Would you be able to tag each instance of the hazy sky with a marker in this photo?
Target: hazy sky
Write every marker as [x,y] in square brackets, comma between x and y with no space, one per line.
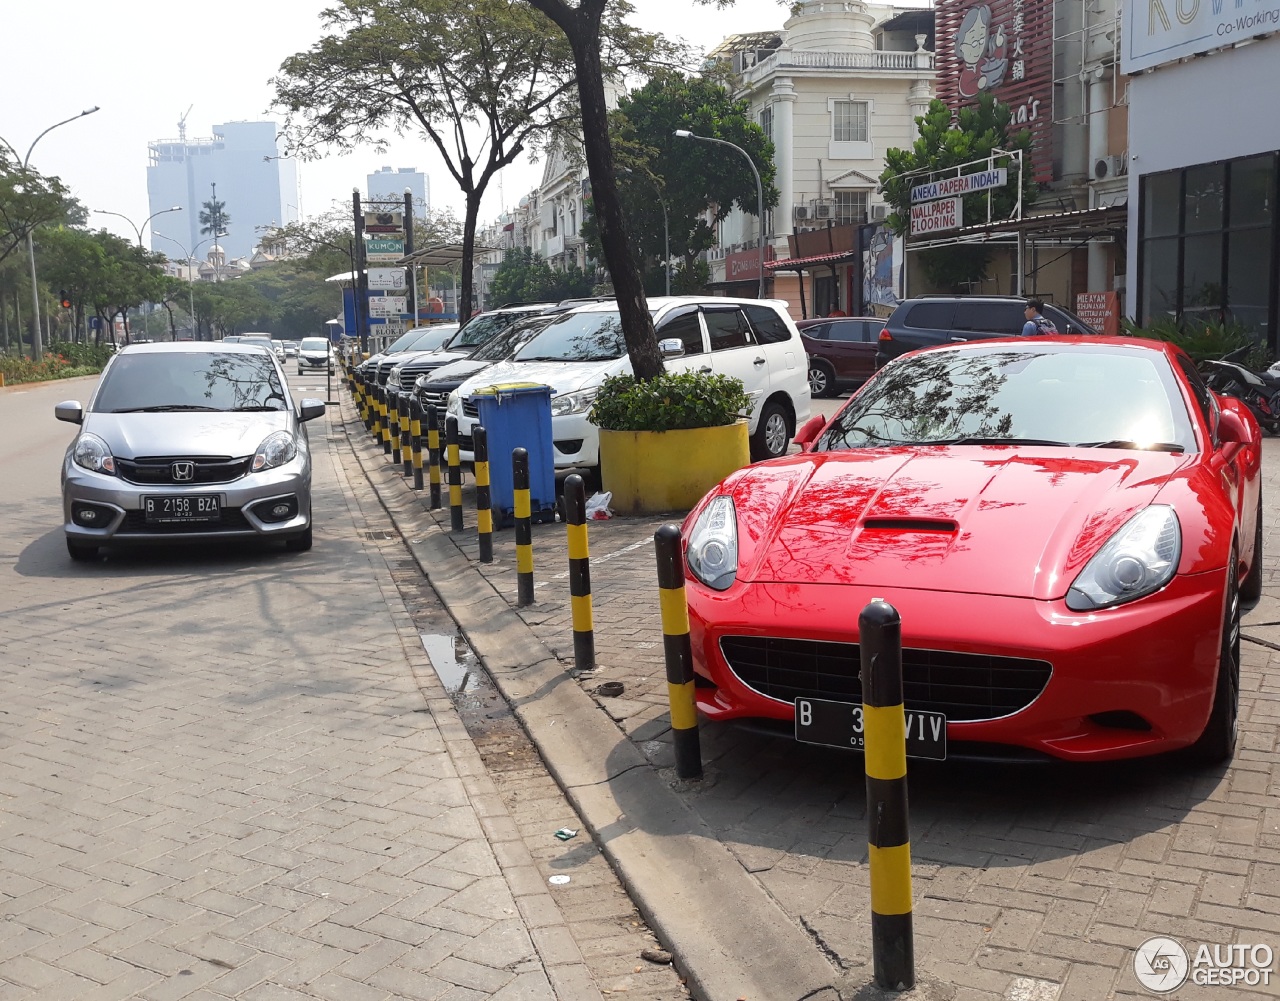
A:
[144,62]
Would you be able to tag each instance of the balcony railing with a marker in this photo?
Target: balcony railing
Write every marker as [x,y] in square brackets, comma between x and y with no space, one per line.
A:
[876,61]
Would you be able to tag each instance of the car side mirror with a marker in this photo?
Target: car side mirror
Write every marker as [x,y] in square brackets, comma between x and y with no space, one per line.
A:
[671,347]
[809,432]
[69,411]
[311,409]
[1232,427]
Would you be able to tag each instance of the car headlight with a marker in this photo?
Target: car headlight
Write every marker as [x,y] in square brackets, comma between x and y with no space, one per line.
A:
[573,403]
[275,450]
[713,544]
[454,407]
[1140,558]
[91,452]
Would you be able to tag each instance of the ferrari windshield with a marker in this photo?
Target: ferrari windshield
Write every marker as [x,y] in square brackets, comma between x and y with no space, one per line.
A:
[173,381]
[1101,396]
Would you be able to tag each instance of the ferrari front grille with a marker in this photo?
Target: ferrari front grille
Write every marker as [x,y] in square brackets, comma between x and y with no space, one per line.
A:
[963,686]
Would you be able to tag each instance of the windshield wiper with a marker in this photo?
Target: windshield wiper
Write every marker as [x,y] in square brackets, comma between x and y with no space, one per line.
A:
[1154,446]
[162,408]
[995,440]
[255,409]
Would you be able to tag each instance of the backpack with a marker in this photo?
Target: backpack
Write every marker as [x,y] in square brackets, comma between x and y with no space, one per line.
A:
[1044,326]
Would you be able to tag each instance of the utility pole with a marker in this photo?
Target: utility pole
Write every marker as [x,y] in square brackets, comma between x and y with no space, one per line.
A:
[408,250]
[360,290]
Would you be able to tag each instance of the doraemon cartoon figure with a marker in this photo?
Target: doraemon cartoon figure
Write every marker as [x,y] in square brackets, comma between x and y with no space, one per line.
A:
[983,52]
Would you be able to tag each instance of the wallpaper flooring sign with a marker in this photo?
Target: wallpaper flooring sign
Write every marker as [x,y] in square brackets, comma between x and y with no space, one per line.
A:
[937,216]
[1005,48]
[1162,31]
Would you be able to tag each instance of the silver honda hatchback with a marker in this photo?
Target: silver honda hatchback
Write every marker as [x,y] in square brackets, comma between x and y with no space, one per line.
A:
[188,442]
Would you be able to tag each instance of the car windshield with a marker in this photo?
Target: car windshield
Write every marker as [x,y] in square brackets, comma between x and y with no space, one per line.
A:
[585,336]
[314,344]
[505,344]
[403,341]
[1095,396]
[480,328]
[195,380]
[430,339]
[262,342]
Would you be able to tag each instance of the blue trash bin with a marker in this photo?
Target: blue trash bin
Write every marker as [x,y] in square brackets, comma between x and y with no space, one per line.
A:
[518,415]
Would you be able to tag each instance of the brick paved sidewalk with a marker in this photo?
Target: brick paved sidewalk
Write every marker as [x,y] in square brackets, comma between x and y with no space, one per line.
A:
[1029,882]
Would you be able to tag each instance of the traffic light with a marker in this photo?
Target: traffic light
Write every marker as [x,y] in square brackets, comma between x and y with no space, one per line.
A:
[64,299]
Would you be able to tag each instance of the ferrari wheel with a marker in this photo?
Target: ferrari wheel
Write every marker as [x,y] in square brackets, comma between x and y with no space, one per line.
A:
[1251,586]
[772,435]
[822,379]
[1218,741]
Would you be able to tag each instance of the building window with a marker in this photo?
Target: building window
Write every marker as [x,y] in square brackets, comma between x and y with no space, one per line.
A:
[766,121]
[1210,245]
[850,207]
[849,121]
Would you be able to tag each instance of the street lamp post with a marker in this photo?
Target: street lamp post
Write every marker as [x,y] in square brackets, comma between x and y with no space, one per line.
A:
[686,134]
[139,229]
[191,295]
[36,350]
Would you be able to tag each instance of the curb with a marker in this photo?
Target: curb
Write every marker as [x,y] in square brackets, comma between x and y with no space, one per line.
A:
[10,386]
[730,939]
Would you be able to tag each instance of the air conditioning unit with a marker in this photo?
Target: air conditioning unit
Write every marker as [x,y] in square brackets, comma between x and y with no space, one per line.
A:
[800,212]
[822,210]
[879,213]
[1111,166]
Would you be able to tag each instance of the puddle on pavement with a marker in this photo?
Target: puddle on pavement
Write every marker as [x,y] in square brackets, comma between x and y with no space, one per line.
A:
[456,664]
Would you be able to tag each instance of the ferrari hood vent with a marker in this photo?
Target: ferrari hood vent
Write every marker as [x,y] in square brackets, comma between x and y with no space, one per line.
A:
[910,525]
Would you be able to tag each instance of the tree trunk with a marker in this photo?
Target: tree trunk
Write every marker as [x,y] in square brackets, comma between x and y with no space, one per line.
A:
[467,294]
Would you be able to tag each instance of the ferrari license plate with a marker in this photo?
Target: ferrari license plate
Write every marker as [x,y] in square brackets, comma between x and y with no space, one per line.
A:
[840,724]
[186,507]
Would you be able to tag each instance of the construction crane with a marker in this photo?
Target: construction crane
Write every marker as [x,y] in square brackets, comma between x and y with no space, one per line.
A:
[182,124]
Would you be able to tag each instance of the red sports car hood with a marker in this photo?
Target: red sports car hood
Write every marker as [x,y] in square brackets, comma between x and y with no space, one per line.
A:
[1015,521]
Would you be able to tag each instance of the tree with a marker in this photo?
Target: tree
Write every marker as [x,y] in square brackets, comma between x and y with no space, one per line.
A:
[28,200]
[448,69]
[214,219]
[524,276]
[978,130]
[693,179]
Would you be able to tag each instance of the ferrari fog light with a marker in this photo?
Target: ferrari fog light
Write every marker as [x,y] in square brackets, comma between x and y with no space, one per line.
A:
[275,450]
[713,544]
[1140,558]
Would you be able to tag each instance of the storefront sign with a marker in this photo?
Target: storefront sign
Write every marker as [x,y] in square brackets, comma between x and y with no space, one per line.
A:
[384,250]
[1164,31]
[934,217]
[1101,310]
[963,185]
[745,264]
[387,278]
[388,305]
[384,222]
[1004,48]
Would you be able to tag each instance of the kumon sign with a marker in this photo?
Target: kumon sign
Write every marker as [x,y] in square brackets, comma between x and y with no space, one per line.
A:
[935,217]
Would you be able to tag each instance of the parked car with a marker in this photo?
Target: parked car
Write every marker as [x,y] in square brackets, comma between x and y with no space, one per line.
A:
[947,319]
[842,352]
[314,353]
[752,339]
[258,340]
[187,442]
[464,342]
[290,349]
[1065,526]
[433,388]
[428,338]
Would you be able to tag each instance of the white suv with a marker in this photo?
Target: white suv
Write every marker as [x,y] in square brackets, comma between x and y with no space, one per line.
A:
[754,340]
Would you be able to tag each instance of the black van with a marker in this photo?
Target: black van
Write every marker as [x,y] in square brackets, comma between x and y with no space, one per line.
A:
[942,319]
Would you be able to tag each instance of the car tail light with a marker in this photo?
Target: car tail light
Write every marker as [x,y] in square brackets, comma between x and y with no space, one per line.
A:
[885,335]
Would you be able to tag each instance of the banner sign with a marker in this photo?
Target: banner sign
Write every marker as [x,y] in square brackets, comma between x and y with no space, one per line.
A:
[934,217]
[1005,48]
[1101,310]
[745,264]
[388,305]
[384,222]
[387,278]
[1164,31]
[963,185]
[384,250]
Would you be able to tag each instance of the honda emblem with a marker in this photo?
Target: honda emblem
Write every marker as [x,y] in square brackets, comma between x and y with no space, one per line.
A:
[183,472]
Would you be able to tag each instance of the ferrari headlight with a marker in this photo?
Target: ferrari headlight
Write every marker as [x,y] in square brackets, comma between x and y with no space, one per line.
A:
[91,452]
[275,450]
[1140,558]
[573,403]
[713,544]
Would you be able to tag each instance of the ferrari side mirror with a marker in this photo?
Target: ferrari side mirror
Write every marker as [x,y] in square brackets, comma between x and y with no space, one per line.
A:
[809,432]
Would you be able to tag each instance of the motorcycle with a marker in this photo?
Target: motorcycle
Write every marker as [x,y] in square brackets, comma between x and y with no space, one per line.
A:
[1259,391]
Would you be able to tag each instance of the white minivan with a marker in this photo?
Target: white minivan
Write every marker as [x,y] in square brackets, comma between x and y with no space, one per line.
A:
[752,339]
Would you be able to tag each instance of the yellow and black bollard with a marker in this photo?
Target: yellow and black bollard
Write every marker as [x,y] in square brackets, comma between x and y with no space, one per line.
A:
[524,526]
[888,837]
[433,454]
[415,434]
[678,653]
[375,414]
[455,473]
[484,511]
[393,401]
[406,434]
[584,637]
[384,413]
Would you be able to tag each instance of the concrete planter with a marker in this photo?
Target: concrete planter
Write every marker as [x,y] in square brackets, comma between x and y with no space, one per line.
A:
[649,472]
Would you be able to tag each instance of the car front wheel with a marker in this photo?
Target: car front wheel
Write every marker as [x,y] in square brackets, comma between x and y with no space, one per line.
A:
[822,379]
[773,435]
[1217,743]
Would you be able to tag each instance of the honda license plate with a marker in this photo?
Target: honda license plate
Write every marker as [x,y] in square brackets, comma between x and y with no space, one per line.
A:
[186,507]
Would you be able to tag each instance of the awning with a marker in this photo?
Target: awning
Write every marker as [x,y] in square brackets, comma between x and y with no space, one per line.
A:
[800,263]
[440,255]
[1075,224]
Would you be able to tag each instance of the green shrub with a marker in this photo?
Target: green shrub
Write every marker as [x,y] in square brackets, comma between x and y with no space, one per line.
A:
[1205,340]
[671,402]
[59,361]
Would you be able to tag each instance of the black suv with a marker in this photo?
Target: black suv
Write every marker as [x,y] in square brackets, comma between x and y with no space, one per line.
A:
[942,319]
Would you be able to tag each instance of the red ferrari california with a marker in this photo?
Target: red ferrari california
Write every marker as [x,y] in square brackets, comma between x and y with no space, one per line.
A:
[1065,525]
